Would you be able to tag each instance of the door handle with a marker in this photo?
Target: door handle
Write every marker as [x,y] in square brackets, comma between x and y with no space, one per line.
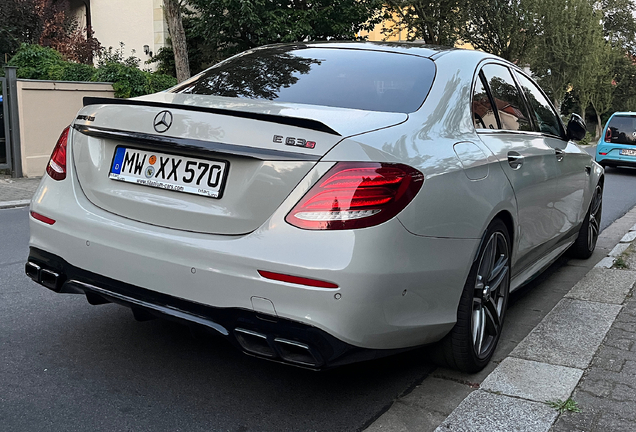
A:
[559,154]
[515,160]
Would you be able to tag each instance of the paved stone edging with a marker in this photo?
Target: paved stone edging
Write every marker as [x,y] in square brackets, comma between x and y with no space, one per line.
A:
[548,364]
[13,204]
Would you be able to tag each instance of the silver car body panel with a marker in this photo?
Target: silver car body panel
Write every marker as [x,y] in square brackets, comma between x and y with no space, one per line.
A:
[399,282]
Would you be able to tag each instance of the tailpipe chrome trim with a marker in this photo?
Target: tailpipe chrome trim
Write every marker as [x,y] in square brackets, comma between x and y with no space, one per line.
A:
[32,270]
[50,279]
[254,342]
[297,353]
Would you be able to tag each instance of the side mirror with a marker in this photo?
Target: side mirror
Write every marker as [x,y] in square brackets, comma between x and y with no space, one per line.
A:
[576,129]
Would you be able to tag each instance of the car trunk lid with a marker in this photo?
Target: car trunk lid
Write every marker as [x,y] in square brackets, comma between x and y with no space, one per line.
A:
[262,150]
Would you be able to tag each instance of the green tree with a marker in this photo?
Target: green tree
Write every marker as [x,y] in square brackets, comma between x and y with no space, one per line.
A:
[435,23]
[619,24]
[595,69]
[231,26]
[506,28]
[565,30]
[19,24]
[47,23]
[625,84]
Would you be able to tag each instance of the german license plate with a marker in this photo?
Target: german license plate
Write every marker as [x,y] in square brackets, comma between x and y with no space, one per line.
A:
[628,152]
[204,177]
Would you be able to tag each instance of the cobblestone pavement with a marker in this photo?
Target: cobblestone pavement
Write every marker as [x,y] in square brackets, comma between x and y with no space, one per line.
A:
[17,189]
[607,393]
[581,355]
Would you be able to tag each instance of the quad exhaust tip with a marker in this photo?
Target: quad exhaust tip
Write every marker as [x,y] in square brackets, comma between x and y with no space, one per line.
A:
[46,277]
[290,351]
[33,271]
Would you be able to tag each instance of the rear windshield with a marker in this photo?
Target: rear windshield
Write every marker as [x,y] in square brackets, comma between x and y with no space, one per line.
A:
[345,78]
[621,130]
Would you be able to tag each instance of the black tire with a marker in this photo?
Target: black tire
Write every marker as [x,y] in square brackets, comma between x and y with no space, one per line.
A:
[482,305]
[585,243]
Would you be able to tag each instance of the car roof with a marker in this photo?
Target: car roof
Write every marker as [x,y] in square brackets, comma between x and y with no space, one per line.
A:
[624,113]
[414,48]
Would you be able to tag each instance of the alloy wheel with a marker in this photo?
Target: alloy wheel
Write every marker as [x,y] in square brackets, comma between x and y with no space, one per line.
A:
[593,226]
[490,295]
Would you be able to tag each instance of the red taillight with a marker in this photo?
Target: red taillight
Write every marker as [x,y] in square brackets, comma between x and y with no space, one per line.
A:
[57,164]
[42,218]
[356,195]
[297,279]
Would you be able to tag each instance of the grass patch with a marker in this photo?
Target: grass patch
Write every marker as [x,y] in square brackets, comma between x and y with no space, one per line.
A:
[563,406]
[620,263]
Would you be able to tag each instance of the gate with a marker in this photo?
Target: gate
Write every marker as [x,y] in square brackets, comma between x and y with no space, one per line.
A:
[5,147]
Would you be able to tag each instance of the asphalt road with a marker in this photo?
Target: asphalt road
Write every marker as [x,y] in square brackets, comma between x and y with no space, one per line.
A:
[66,365]
[620,192]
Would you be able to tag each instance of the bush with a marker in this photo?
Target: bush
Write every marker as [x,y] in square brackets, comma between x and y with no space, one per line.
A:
[128,81]
[78,72]
[158,82]
[587,139]
[37,62]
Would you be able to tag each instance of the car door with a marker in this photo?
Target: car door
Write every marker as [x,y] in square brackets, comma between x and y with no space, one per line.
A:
[527,160]
[573,163]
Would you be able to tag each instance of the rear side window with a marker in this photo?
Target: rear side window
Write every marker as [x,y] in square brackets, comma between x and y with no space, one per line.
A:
[483,112]
[621,130]
[545,117]
[345,78]
[511,107]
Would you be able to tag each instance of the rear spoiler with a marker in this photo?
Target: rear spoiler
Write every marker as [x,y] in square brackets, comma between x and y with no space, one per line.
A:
[272,118]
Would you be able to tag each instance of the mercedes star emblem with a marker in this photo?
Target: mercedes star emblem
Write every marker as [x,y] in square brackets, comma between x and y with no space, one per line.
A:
[163,121]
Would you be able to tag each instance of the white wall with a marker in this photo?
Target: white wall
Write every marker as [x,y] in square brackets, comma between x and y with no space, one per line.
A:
[45,108]
[134,22]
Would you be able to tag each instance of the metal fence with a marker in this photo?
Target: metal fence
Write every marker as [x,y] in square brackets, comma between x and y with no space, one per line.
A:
[9,125]
[5,150]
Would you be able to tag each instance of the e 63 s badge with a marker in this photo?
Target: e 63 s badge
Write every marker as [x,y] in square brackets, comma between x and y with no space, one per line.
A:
[297,142]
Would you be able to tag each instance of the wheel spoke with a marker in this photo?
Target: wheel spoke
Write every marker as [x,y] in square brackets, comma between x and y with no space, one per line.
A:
[476,324]
[496,284]
[481,330]
[493,322]
[598,198]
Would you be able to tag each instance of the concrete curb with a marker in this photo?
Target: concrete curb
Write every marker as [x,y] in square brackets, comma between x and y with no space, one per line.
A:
[548,364]
[14,204]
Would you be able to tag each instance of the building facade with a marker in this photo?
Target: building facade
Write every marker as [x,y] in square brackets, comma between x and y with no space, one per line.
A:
[135,23]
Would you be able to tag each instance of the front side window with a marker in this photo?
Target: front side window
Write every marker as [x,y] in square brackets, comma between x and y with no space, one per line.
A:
[345,78]
[511,107]
[621,130]
[546,119]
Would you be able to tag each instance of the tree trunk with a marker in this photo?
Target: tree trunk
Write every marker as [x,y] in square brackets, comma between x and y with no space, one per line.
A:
[599,129]
[175,26]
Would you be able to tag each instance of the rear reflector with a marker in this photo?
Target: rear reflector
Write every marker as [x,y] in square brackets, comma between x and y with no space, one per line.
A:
[602,154]
[356,195]
[57,164]
[297,280]
[42,218]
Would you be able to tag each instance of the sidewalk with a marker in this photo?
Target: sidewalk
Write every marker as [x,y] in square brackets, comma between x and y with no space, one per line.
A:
[580,357]
[17,192]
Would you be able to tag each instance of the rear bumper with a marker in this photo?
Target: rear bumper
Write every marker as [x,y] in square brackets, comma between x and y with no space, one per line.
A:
[395,290]
[263,336]
[613,156]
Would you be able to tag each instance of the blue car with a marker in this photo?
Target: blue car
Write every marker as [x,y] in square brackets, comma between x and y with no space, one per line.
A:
[617,147]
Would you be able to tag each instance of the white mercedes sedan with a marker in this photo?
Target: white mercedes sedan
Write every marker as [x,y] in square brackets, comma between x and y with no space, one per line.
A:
[321,203]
